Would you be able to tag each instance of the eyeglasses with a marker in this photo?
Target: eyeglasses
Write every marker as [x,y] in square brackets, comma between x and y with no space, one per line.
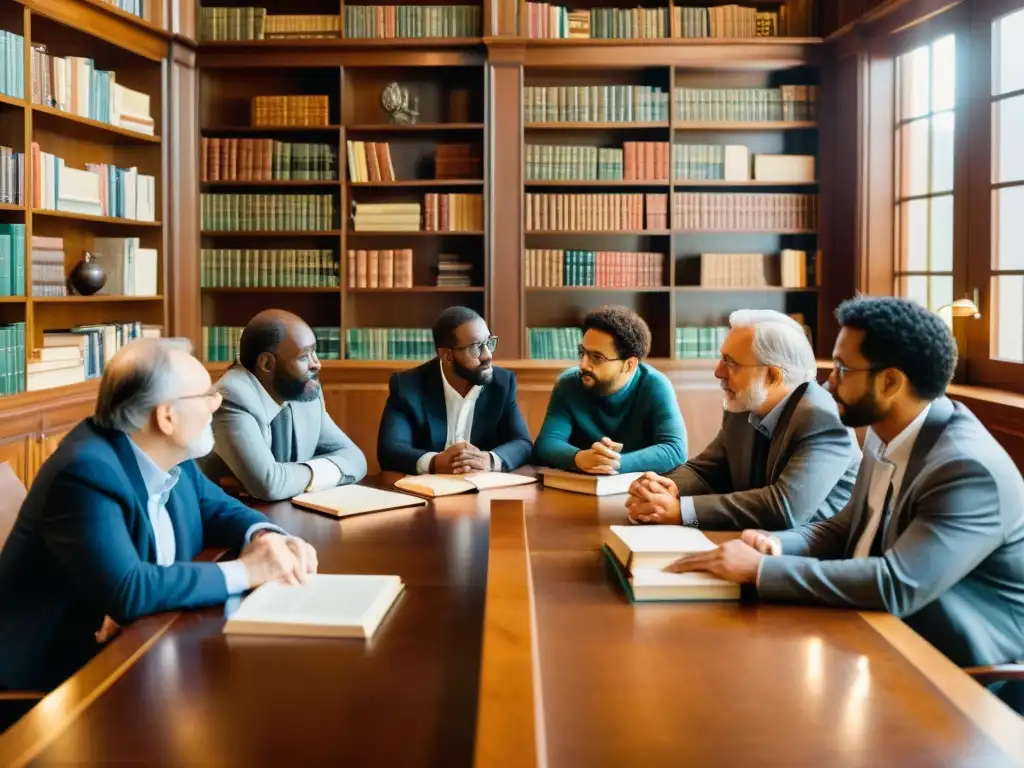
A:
[732,365]
[213,392]
[595,357]
[841,370]
[477,348]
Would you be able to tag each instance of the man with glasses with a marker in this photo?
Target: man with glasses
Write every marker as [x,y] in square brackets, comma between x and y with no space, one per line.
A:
[782,457]
[934,532]
[274,435]
[456,413]
[613,413]
[109,529]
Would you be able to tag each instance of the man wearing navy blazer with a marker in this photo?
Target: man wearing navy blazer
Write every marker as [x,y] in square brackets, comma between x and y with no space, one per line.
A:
[110,527]
[456,413]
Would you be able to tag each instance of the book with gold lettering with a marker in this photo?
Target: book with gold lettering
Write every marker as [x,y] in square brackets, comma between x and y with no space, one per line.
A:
[449,485]
[639,554]
[328,605]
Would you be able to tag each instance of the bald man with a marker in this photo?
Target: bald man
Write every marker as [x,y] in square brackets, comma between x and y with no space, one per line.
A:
[273,434]
[109,530]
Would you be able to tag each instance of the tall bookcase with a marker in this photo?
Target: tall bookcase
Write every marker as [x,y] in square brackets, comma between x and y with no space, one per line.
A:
[134,49]
[452,78]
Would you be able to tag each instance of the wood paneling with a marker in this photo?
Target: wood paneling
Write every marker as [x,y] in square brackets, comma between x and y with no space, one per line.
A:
[16,453]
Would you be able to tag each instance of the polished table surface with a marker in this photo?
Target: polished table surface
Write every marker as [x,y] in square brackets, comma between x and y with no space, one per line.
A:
[658,684]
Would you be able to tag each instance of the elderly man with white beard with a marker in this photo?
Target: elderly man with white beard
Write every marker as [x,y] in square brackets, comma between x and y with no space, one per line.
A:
[782,457]
[116,515]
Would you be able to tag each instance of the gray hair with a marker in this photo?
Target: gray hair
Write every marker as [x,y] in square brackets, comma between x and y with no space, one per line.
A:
[779,341]
[138,378]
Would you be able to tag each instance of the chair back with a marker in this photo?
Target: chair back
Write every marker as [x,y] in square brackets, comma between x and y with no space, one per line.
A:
[12,494]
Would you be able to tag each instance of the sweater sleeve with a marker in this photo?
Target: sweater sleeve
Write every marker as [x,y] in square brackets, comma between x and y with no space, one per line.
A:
[668,448]
[553,448]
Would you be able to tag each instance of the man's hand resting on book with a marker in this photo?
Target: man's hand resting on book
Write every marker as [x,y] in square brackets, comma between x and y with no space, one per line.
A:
[653,500]
[735,561]
[602,458]
[273,557]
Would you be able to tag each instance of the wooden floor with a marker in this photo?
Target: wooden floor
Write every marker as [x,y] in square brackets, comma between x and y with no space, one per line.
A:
[612,683]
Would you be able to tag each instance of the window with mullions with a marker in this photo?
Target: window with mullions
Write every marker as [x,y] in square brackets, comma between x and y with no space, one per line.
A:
[1007,188]
[925,125]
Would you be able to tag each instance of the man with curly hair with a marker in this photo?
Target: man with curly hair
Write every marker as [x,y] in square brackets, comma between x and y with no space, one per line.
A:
[612,413]
[934,532]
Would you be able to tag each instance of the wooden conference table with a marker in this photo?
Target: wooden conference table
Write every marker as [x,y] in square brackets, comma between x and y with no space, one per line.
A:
[617,684]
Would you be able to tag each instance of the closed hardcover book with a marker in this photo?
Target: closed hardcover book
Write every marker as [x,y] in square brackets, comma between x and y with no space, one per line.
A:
[347,500]
[593,485]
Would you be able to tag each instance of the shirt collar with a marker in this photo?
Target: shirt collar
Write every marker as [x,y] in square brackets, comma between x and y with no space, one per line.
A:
[157,482]
[271,408]
[899,448]
[451,392]
[766,426]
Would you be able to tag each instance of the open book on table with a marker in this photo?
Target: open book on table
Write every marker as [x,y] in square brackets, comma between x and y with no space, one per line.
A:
[346,500]
[449,485]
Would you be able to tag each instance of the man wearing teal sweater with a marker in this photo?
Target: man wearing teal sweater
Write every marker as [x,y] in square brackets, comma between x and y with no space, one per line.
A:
[613,413]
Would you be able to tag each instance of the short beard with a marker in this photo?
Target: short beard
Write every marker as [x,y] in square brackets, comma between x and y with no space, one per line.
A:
[478,377]
[750,399]
[863,413]
[201,444]
[297,390]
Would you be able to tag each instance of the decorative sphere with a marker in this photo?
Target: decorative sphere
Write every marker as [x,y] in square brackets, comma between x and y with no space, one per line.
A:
[88,276]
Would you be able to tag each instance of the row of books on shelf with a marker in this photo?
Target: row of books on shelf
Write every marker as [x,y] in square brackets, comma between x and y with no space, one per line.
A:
[705,342]
[256,24]
[393,21]
[12,176]
[387,268]
[635,161]
[134,7]
[220,343]
[99,190]
[266,160]
[594,103]
[754,270]
[80,353]
[291,110]
[12,64]
[454,212]
[73,84]
[371,161]
[267,213]
[787,103]
[12,259]
[727,21]
[596,212]
[389,344]
[732,210]
[12,358]
[545,20]
[49,276]
[733,162]
[548,267]
[261,268]
[553,343]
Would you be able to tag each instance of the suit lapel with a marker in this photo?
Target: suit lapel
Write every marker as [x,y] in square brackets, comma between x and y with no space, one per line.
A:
[178,510]
[481,413]
[437,412]
[306,427]
[780,437]
[939,414]
[130,466]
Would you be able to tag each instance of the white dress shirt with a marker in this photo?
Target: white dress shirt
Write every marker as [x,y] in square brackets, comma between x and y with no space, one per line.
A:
[888,465]
[459,411]
[158,487]
[326,473]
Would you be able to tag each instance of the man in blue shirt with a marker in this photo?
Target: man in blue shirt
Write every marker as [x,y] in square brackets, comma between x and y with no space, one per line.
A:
[613,413]
[109,530]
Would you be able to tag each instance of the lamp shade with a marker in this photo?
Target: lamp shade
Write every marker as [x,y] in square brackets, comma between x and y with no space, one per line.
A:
[962,308]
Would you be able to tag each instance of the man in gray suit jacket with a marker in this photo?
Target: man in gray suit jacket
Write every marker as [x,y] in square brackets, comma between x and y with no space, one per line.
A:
[934,532]
[273,433]
[782,457]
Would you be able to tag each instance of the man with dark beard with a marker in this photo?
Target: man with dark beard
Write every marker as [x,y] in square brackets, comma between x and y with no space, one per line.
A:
[456,413]
[273,433]
[934,532]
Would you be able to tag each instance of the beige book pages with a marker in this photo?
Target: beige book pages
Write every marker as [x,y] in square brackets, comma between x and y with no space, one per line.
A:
[346,500]
[449,485]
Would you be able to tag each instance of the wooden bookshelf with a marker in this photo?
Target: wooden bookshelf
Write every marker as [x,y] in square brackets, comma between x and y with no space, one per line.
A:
[134,49]
[446,77]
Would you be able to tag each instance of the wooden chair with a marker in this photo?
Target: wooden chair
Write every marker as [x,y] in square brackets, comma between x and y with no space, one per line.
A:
[1012,672]
[13,704]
